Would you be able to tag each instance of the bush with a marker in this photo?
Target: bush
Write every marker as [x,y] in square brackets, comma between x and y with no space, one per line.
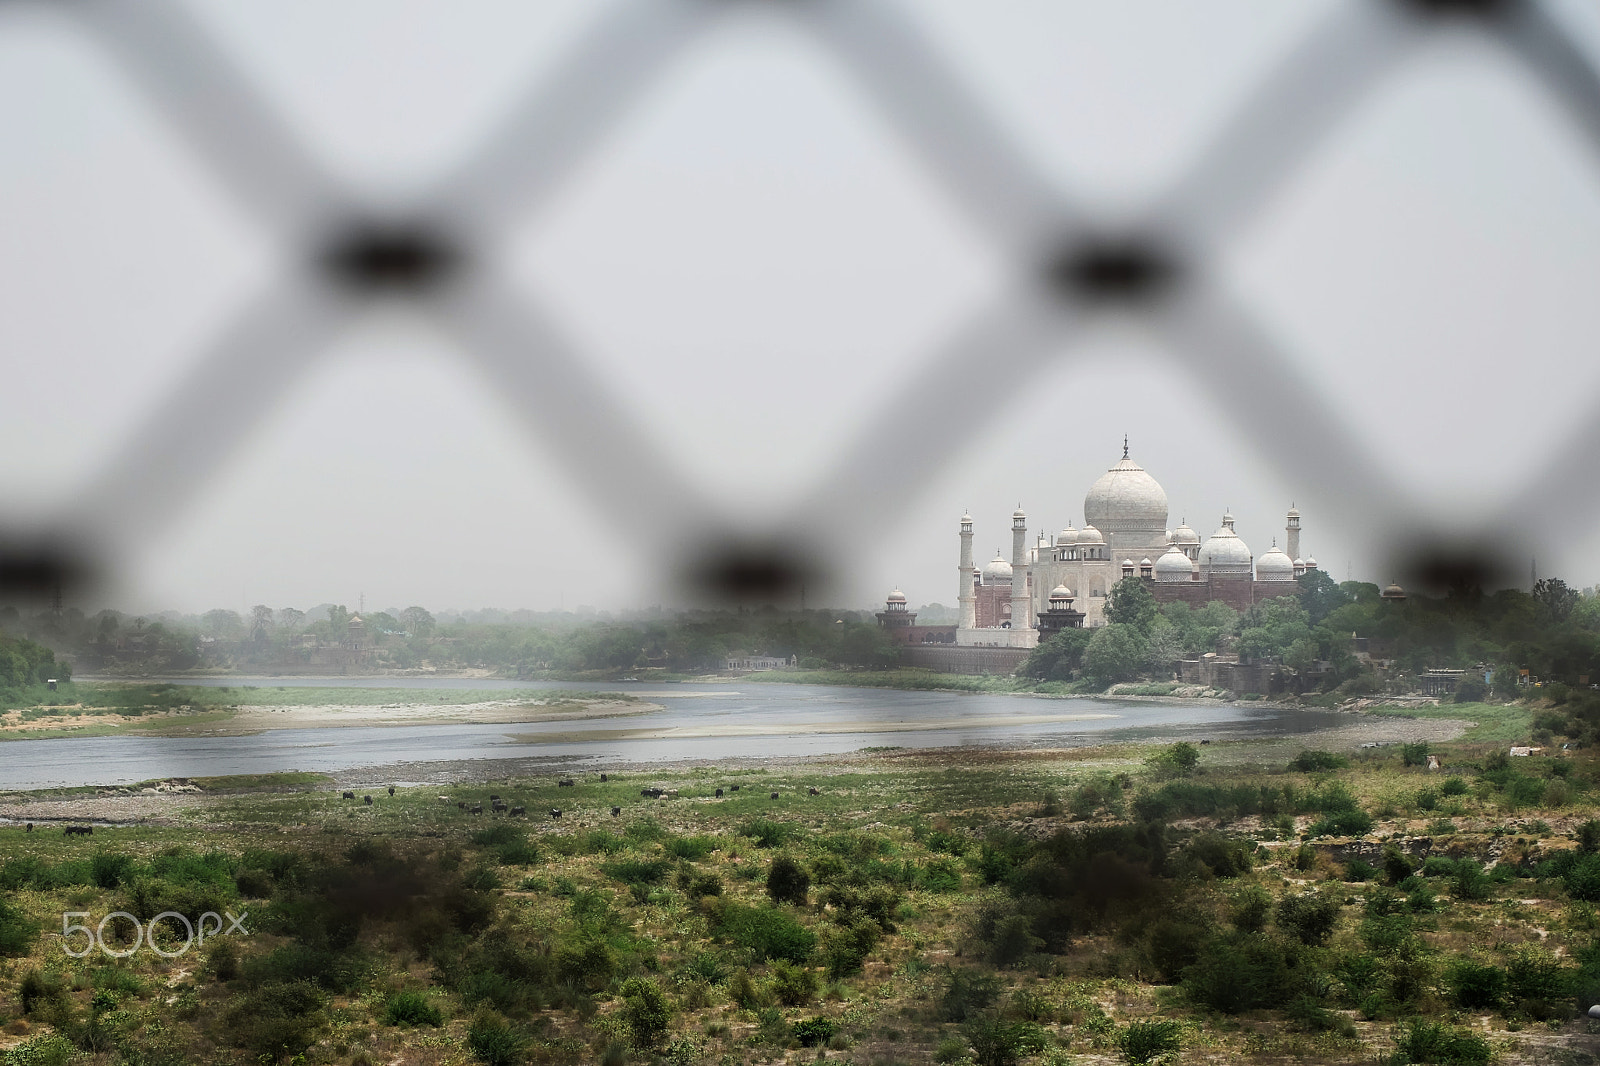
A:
[1588,836]
[966,993]
[793,985]
[1221,855]
[1470,882]
[1434,1042]
[1414,754]
[645,1012]
[814,1032]
[767,833]
[1145,1042]
[493,1041]
[51,1049]
[788,881]
[1312,761]
[1013,941]
[17,931]
[223,959]
[693,848]
[277,1020]
[1310,918]
[767,933]
[997,1042]
[1342,824]
[1453,786]
[411,1008]
[1237,973]
[1179,760]
[1475,985]
[1250,909]
[1359,870]
[848,946]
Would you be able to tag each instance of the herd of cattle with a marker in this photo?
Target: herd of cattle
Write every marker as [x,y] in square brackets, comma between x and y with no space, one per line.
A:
[498,806]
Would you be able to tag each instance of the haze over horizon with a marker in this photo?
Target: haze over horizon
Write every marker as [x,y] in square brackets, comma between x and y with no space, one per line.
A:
[754,262]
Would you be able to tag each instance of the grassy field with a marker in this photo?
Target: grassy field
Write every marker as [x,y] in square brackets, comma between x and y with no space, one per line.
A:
[1114,905]
[1494,722]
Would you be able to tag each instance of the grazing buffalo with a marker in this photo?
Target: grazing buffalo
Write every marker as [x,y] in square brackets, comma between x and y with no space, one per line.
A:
[774,795]
[348,796]
[735,788]
[368,799]
[494,799]
[566,782]
[78,830]
[812,792]
[519,810]
[461,805]
[616,811]
[603,777]
[391,790]
[477,808]
[652,793]
[29,829]
[719,793]
[555,812]
[497,806]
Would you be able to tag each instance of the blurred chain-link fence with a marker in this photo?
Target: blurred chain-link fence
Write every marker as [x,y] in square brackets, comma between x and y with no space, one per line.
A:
[435,254]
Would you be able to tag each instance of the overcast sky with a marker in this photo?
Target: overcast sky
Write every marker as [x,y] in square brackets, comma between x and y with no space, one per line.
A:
[753,261]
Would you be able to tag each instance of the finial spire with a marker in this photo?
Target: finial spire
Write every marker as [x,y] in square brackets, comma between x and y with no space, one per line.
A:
[1124,445]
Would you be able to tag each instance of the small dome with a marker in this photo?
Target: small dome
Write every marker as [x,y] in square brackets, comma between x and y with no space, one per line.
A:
[1127,564]
[1060,592]
[1185,536]
[966,518]
[1067,536]
[1019,512]
[1090,535]
[1393,591]
[1274,565]
[1173,566]
[897,596]
[1144,562]
[1311,564]
[997,571]
[1300,562]
[1223,551]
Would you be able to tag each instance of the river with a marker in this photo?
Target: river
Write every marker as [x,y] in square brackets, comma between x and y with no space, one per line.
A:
[699,722]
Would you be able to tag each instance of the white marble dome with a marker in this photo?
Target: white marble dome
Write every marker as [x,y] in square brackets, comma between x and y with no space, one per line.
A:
[1184,536]
[1090,535]
[1060,592]
[997,571]
[1274,565]
[1224,553]
[1126,499]
[1067,536]
[897,596]
[1173,566]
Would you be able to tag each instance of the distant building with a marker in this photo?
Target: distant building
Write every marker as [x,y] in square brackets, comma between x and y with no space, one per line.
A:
[901,624]
[1125,535]
[758,662]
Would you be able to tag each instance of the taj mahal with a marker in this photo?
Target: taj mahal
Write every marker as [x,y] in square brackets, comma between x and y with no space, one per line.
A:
[1063,581]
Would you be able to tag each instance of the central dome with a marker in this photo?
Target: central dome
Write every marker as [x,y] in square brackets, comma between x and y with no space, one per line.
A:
[1126,499]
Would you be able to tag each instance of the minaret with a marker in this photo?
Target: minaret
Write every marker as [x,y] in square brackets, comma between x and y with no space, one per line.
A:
[968,602]
[1291,544]
[1021,605]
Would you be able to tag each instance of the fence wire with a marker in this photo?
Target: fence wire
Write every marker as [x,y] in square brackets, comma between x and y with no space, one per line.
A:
[1070,267]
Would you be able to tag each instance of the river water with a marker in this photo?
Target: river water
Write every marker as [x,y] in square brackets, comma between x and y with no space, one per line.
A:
[697,722]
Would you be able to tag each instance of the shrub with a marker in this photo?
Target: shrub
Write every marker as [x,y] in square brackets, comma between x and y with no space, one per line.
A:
[17,931]
[636,871]
[1396,865]
[411,1008]
[645,1012]
[1310,918]
[1223,856]
[1013,941]
[277,1020]
[767,833]
[1179,760]
[1414,754]
[767,933]
[966,993]
[788,881]
[1238,973]
[1423,1041]
[814,1032]
[1311,761]
[1588,835]
[997,1042]
[1453,786]
[1359,870]
[793,985]
[693,848]
[1583,879]
[493,1041]
[1475,985]
[51,1049]
[1355,823]
[1470,882]
[1250,909]
[1145,1042]
[223,959]
[847,948]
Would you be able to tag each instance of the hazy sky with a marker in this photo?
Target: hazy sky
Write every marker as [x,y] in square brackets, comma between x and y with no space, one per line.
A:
[753,262]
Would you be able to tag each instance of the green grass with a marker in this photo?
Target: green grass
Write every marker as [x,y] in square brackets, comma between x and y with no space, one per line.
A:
[1502,723]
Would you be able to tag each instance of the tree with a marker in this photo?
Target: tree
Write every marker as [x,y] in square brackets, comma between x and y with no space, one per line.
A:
[1131,603]
[418,622]
[338,619]
[223,623]
[788,881]
[1321,595]
[1059,658]
[645,1011]
[260,622]
[1116,652]
[1555,598]
[290,618]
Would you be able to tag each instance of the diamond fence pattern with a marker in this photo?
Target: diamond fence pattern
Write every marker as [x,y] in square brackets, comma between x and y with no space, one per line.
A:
[1072,266]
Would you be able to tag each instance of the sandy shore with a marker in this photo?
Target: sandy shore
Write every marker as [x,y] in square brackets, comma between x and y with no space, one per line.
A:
[491,712]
